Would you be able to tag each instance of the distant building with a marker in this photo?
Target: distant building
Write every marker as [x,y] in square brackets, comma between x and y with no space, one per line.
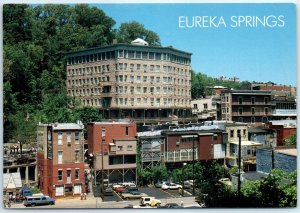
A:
[233,79]
[284,129]
[266,136]
[151,148]
[204,108]
[148,84]
[283,158]
[246,106]
[114,148]
[60,159]
[284,107]
[284,89]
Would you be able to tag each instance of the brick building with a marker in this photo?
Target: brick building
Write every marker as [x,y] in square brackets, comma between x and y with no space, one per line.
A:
[60,159]
[247,106]
[113,145]
[148,84]
[284,129]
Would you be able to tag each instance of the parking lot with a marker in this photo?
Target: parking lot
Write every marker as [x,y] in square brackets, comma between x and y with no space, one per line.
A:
[150,191]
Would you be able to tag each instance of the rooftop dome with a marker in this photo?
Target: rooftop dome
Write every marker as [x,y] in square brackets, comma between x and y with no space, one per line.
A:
[140,41]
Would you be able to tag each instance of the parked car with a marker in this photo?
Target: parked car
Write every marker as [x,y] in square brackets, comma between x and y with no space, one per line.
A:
[38,200]
[116,185]
[129,185]
[119,189]
[171,206]
[187,185]
[129,190]
[107,190]
[25,192]
[159,184]
[133,195]
[150,201]
[171,186]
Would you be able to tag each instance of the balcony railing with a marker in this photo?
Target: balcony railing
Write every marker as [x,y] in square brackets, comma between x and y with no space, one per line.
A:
[244,103]
[250,114]
[284,112]
[181,155]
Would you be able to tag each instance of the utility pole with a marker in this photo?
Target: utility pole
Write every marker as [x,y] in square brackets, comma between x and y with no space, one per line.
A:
[239,174]
[182,190]
[193,166]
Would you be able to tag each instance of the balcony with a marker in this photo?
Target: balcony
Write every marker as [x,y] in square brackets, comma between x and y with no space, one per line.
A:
[250,114]
[245,103]
[292,112]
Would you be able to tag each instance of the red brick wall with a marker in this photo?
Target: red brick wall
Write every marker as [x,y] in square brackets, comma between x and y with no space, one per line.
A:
[42,172]
[204,142]
[282,133]
[112,131]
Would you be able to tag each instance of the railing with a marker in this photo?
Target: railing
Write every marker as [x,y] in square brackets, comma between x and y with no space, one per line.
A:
[250,114]
[284,112]
[250,103]
[181,155]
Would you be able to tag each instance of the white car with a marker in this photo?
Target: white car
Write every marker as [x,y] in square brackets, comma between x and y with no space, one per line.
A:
[171,186]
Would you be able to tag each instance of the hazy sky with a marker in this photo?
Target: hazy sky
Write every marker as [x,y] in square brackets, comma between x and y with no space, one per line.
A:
[254,53]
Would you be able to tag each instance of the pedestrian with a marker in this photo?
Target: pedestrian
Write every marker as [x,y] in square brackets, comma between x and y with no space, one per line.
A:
[10,197]
[181,203]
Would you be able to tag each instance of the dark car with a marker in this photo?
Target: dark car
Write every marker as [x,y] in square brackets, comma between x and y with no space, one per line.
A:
[171,206]
[130,190]
[108,190]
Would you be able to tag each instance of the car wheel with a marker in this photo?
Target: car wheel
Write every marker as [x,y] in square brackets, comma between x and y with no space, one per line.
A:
[33,204]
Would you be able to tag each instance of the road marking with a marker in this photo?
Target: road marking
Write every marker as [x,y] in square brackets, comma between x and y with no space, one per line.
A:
[167,192]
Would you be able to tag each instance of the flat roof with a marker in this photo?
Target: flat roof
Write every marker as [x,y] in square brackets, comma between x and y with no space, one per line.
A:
[292,151]
[113,122]
[121,46]
[248,92]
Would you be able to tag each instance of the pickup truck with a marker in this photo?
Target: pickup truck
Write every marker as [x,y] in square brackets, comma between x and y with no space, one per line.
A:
[133,195]
[38,200]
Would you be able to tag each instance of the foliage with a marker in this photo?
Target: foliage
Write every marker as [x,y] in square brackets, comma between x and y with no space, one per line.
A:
[133,30]
[291,141]
[159,173]
[202,84]
[35,42]
[35,190]
[278,189]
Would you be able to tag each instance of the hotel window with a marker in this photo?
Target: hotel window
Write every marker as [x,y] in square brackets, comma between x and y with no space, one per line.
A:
[240,119]
[151,90]
[151,68]
[252,119]
[240,100]
[125,66]
[165,101]
[253,110]
[60,138]
[266,111]
[145,67]
[60,174]
[77,156]
[138,90]
[165,90]
[151,79]
[240,110]
[131,78]
[266,100]
[131,67]
[158,102]
[145,89]
[120,66]
[138,54]
[103,132]
[131,101]
[77,174]
[126,130]
[244,132]
[157,79]
[120,148]
[131,90]
[239,132]
[145,79]
[138,79]
[145,55]
[69,137]
[131,54]
[139,101]
[138,67]
[157,90]
[151,55]
[205,106]
[252,100]
[145,101]
[165,80]
[157,68]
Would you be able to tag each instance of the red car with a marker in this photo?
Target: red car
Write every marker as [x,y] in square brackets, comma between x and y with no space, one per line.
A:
[119,189]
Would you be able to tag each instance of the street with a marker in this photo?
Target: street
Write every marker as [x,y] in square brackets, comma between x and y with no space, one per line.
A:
[97,203]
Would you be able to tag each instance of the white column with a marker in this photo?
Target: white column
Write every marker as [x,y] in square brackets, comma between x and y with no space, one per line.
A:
[35,173]
[26,174]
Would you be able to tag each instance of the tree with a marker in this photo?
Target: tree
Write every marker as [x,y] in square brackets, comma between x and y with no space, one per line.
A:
[24,128]
[159,173]
[133,30]
[291,141]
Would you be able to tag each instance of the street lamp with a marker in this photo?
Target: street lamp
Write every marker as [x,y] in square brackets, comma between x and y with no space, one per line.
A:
[182,190]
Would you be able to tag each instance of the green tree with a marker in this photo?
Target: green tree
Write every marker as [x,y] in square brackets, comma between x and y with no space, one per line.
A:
[291,141]
[159,173]
[133,30]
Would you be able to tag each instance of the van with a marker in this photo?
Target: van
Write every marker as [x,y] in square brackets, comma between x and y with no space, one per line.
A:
[131,185]
[25,192]
[38,200]
[150,201]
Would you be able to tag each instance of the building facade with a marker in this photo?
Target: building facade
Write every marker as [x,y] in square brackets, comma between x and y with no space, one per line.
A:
[247,106]
[145,83]
[205,108]
[60,159]
[114,147]
[284,129]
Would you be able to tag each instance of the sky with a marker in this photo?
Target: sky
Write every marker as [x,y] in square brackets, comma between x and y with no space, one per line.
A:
[258,53]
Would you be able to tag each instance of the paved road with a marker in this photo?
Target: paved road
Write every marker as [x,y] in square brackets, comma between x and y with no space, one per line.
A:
[93,202]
